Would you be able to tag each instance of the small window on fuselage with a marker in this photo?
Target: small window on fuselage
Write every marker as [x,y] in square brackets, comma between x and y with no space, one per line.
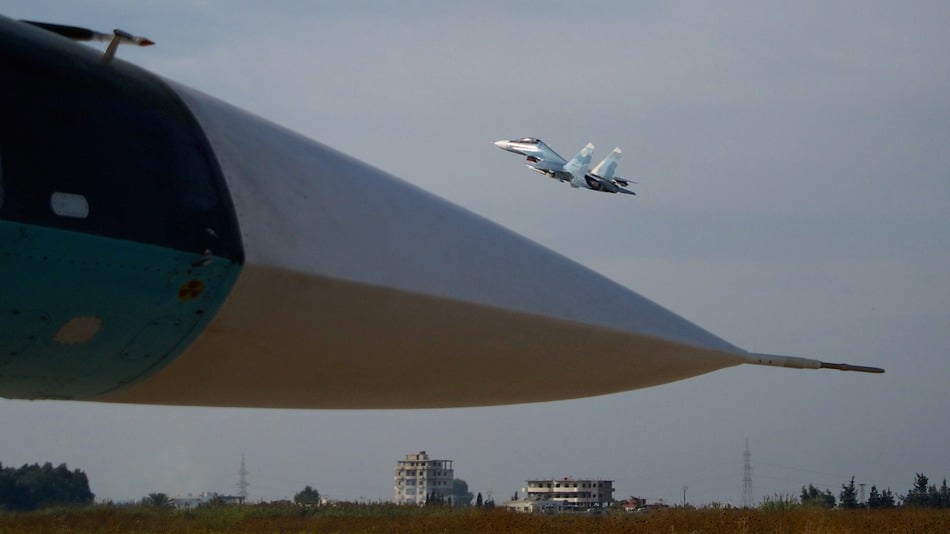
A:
[69,205]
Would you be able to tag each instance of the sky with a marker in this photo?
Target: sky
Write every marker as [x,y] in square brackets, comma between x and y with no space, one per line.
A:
[793,162]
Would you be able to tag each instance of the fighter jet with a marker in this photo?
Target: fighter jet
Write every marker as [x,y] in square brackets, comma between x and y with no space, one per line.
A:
[543,160]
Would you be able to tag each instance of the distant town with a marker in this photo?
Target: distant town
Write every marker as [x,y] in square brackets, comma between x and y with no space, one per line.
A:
[421,480]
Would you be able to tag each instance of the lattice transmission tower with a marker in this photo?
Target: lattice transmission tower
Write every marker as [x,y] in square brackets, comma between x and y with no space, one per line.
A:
[747,477]
[242,481]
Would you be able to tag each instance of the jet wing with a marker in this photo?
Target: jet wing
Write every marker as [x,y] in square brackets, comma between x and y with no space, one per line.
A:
[548,158]
[539,155]
[545,164]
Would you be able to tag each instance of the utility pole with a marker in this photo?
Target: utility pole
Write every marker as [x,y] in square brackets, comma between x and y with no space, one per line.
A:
[684,496]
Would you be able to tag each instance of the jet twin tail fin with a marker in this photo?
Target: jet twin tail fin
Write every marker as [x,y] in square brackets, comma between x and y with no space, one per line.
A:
[608,166]
[581,162]
[607,169]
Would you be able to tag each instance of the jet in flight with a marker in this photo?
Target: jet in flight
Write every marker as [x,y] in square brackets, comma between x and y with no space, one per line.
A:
[576,172]
[159,246]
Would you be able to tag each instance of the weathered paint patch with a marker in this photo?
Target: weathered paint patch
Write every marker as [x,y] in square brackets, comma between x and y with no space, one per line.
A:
[78,330]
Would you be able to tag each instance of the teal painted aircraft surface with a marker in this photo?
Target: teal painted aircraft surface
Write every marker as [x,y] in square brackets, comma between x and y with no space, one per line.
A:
[160,246]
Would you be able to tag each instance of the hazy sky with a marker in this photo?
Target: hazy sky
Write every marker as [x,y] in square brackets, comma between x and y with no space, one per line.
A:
[794,198]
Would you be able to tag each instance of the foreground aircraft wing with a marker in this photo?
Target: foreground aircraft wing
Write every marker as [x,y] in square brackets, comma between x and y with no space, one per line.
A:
[169,248]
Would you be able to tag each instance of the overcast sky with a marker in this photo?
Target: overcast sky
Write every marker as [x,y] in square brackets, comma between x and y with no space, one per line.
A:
[794,198]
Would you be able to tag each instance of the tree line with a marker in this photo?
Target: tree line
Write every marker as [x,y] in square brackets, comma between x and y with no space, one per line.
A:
[34,486]
[923,494]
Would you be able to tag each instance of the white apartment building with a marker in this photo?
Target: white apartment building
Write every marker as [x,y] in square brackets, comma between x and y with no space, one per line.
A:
[568,493]
[418,476]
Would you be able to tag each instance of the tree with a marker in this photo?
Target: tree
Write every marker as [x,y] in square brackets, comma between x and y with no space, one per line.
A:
[943,496]
[887,499]
[919,495]
[478,500]
[307,495]
[938,497]
[848,495]
[883,499]
[434,498]
[158,500]
[34,486]
[811,496]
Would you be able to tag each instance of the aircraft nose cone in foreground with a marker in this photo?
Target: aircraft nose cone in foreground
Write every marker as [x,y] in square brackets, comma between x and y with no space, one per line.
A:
[246,265]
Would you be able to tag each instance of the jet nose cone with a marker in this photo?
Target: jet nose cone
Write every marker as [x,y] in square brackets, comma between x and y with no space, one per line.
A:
[502,143]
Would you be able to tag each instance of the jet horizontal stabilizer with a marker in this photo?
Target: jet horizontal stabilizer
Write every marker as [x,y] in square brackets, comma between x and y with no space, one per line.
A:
[622,182]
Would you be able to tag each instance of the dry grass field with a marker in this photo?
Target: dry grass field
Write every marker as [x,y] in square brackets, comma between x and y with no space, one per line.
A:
[390,518]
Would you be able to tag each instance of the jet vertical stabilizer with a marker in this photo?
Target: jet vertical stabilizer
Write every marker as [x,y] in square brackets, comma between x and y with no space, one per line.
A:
[608,166]
[579,164]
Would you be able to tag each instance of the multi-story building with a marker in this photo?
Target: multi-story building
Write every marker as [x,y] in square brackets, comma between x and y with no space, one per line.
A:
[568,494]
[418,477]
